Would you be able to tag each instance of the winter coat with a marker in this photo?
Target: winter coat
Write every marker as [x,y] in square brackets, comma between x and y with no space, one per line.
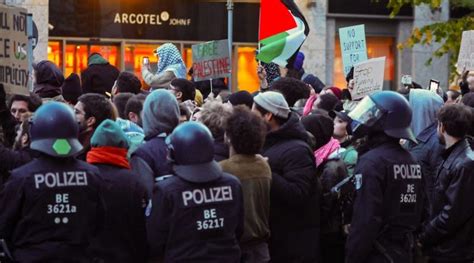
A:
[295,194]
[388,204]
[221,150]
[123,238]
[449,233]
[255,176]
[11,159]
[99,76]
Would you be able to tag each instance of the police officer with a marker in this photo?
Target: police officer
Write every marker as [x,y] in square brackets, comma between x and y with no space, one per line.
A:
[387,207]
[196,214]
[50,207]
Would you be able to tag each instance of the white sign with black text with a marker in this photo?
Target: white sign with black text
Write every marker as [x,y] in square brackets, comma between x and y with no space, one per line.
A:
[368,77]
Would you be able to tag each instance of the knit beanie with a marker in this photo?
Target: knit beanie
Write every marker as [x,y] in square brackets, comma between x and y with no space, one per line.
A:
[273,102]
[71,88]
[108,133]
[320,126]
[242,97]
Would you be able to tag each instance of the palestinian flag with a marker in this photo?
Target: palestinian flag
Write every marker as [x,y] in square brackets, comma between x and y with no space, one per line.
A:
[283,29]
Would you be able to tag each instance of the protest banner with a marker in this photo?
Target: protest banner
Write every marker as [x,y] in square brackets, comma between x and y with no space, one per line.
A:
[466,52]
[211,60]
[13,49]
[353,46]
[368,77]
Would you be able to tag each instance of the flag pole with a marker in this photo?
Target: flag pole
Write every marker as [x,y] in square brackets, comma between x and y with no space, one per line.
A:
[230,8]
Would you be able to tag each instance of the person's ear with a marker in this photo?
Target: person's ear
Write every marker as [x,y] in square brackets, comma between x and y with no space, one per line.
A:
[133,117]
[90,121]
[179,95]
[24,140]
[441,128]
[268,116]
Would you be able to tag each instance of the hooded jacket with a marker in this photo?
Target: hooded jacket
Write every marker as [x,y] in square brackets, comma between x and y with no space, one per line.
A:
[425,105]
[294,197]
[49,79]
[123,238]
[99,76]
[170,66]
[160,117]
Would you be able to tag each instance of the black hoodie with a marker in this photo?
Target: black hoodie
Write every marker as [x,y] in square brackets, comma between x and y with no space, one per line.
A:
[49,79]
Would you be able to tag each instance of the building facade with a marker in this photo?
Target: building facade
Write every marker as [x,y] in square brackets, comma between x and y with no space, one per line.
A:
[125,31]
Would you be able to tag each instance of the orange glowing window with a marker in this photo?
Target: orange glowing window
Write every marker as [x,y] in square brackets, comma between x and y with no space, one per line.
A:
[247,70]
[77,54]
[54,52]
[376,47]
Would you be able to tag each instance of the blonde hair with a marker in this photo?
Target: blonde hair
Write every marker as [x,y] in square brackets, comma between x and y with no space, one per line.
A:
[214,115]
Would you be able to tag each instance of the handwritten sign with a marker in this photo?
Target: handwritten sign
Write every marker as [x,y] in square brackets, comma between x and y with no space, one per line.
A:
[353,46]
[466,52]
[211,60]
[13,47]
[368,77]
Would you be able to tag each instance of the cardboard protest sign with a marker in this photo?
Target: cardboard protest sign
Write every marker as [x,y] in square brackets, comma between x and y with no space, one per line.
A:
[13,49]
[211,60]
[466,52]
[368,77]
[353,46]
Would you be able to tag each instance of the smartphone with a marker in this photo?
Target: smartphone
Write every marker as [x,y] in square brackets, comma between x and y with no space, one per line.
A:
[407,80]
[434,85]
[146,60]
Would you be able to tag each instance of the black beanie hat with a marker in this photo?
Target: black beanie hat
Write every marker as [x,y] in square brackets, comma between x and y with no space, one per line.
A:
[71,88]
[242,97]
[320,126]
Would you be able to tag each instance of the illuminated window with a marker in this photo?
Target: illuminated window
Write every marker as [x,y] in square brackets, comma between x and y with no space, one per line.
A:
[55,52]
[77,54]
[247,69]
[376,47]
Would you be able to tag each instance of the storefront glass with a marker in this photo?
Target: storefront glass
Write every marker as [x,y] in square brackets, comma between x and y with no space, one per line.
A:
[55,52]
[247,69]
[376,47]
[77,54]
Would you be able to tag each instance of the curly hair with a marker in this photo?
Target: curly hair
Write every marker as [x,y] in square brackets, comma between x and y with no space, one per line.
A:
[214,115]
[292,89]
[246,131]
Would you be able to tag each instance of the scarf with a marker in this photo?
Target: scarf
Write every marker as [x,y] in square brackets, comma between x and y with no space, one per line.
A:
[108,155]
[170,59]
[323,153]
[308,107]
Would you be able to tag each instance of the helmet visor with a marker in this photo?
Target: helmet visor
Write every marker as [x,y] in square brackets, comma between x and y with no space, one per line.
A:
[366,113]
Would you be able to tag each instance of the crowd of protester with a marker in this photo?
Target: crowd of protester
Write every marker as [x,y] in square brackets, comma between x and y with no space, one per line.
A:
[188,171]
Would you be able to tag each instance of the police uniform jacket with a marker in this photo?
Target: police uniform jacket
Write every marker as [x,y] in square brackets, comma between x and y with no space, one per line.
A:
[196,222]
[50,209]
[387,207]
[449,234]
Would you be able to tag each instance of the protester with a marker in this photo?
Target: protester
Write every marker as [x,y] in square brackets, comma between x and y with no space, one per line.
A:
[223,96]
[453,97]
[292,89]
[294,199]
[47,81]
[242,97]
[120,101]
[332,90]
[448,233]
[22,104]
[468,100]
[307,78]
[170,66]
[184,113]
[71,89]
[467,82]
[349,103]
[160,117]
[123,238]
[387,207]
[99,76]
[214,115]
[184,91]
[133,109]
[427,151]
[245,132]
[91,110]
[51,207]
[325,103]
[343,133]
[133,131]
[183,226]
[331,170]
[126,82]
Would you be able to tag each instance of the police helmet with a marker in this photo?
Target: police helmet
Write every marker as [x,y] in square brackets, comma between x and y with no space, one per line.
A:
[191,148]
[54,130]
[386,111]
